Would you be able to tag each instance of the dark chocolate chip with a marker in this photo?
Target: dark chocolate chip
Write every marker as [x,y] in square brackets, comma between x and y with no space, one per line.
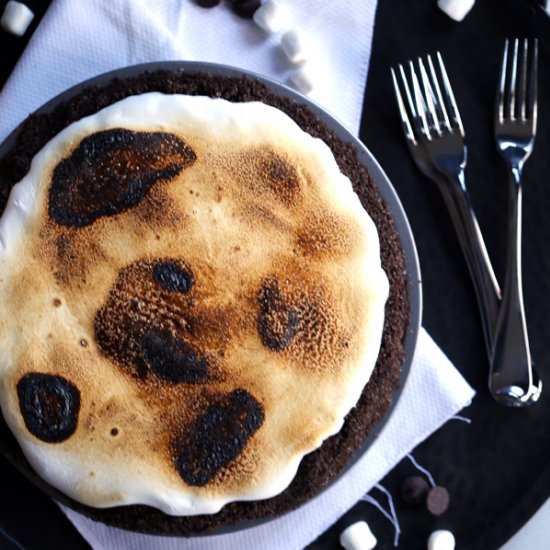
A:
[172,359]
[50,405]
[173,276]
[111,171]
[217,437]
[277,322]
[437,500]
[207,3]
[414,490]
[245,8]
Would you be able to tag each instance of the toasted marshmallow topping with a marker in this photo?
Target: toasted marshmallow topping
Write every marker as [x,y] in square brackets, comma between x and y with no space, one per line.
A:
[192,301]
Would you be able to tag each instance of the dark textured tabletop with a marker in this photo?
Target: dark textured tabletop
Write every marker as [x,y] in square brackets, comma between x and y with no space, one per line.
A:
[496,468]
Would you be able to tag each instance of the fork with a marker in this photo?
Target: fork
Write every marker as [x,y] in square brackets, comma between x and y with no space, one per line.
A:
[513,379]
[437,145]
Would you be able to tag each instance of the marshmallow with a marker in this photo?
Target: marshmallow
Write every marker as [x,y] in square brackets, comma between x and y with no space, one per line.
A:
[269,16]
[456,9]
[293,46]
[16,18]
[302,79]
[441,540]
[358,536]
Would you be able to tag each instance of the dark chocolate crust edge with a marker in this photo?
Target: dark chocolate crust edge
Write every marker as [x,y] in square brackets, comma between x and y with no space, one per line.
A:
[323,465]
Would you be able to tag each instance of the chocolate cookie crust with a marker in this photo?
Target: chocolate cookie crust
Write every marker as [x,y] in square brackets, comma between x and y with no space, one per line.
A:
[320,467]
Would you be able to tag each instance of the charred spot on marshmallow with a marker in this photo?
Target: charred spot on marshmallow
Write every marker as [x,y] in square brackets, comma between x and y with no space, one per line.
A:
[280,176]
[173,276]
[299,317]
[111,171]
[217,437]
[267,175]
[172,359]
[277,322]
[49,405]
[147,323]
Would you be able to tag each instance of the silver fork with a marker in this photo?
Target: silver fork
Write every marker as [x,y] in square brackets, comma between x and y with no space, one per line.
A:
[513,378]
[437,146]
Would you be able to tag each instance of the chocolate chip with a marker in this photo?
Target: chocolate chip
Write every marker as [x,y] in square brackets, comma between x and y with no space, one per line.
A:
[172,359]
[245,8]
[414,490]
[50,405]
[278,322]
[207,3]
[437,500]
[111,171]
[173,276]
[217,437]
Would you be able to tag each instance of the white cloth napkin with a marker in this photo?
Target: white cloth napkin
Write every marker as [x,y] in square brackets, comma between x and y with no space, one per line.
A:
[78,39]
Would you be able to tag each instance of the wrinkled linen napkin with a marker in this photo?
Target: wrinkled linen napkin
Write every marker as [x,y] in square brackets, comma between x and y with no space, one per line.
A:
[77,40]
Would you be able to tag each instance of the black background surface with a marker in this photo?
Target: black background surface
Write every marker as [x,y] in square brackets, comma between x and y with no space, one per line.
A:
[497,469]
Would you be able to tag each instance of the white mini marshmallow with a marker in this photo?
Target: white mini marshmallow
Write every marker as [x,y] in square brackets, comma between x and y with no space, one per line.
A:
[269,16]
[294,47]
[441,540]
[456,9]
[16,18]
[302,79]
[358,536]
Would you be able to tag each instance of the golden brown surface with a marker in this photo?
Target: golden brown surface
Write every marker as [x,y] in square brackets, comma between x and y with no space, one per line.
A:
[236,261]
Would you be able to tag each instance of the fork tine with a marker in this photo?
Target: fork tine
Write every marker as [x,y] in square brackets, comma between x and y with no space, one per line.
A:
[450,96]
[420,104]
[502,85]
[407,90]
[412,108]
[433,118]
[440,102]
[522,92]
[512,86]
[533,102]
[407,128]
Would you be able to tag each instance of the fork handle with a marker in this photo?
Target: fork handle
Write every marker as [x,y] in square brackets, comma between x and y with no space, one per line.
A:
[513,379]
[475,253]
